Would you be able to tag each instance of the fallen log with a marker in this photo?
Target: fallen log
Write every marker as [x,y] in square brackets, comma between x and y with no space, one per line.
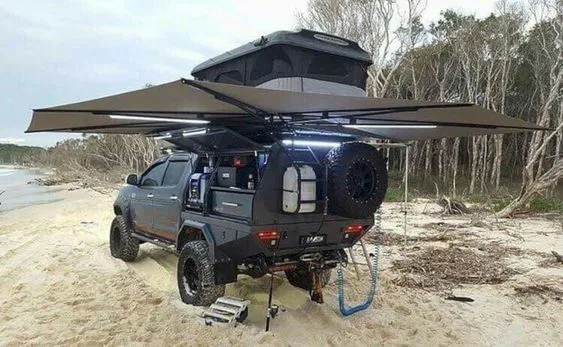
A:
[452,206]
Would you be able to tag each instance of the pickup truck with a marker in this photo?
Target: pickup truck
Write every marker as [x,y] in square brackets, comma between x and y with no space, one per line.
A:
[280,209]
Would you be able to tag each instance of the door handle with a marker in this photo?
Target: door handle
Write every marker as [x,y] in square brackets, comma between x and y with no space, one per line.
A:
[173,197]
[150,195]
[231,204]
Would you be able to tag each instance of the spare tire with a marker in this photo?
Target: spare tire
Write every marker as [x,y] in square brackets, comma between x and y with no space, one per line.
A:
[357,180]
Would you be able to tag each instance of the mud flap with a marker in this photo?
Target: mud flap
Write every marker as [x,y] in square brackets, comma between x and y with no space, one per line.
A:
[225,272]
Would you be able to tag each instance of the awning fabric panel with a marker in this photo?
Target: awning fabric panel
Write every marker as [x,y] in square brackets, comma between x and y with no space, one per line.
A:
[182,100]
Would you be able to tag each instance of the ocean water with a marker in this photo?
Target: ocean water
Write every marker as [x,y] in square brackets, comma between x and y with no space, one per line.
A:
[18,193]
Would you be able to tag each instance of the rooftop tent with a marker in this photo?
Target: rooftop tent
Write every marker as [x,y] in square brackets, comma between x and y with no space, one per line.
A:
[186,104]
[304,61]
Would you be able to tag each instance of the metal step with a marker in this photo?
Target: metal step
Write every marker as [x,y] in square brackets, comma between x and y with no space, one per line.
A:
[223,308]
[226,317]
[229,300]
[226,311]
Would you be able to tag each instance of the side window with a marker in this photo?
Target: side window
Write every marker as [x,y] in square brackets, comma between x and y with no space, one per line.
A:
[154,176]
[272,60]
[231,77]
[174,172]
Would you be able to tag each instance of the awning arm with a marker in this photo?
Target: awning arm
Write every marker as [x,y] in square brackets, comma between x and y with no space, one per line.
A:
[250,109]
[373,111]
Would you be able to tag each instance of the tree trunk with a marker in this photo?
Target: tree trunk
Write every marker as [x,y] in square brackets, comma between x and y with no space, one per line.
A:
[548,179]
[495,175]
[474,163]
[455,165]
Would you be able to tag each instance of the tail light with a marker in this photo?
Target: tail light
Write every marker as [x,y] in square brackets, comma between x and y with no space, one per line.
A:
[269,237]
[353,229]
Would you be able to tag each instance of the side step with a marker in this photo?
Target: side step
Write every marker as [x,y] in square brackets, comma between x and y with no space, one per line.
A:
[154,241]
[226,311]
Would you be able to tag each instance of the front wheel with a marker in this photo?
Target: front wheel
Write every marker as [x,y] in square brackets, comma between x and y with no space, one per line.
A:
[196,277]
[121,244]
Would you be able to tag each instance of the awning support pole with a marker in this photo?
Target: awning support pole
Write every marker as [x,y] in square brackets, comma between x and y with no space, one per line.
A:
[354,262]
[366,255]
[405,207]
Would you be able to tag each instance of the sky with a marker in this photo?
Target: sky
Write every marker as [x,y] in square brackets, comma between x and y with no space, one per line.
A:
[58,52]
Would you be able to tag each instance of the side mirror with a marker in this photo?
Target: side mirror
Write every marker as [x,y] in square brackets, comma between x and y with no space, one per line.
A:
[132,180]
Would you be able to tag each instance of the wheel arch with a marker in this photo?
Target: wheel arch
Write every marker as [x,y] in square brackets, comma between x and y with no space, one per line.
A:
[117,210]
[190,231]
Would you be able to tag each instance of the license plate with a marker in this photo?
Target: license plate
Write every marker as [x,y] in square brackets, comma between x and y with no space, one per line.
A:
[312,239]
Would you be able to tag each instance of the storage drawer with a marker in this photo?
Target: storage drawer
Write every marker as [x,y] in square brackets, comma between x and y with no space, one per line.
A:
[232,204]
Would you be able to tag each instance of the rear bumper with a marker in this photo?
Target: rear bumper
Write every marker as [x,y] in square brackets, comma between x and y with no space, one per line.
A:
[291,240]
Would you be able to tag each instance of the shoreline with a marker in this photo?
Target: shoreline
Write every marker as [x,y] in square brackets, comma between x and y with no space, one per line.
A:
[19,187]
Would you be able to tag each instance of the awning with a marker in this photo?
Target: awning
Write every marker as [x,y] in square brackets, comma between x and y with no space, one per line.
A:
[185,103]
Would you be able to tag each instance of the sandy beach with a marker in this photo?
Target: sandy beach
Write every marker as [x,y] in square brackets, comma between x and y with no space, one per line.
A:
[60,286]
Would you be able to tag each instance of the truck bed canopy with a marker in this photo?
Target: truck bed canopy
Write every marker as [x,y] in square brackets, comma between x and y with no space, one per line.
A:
[186,103]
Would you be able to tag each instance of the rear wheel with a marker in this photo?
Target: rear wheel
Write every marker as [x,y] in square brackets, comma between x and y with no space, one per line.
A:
[196,278]
[303,278]
[121,244]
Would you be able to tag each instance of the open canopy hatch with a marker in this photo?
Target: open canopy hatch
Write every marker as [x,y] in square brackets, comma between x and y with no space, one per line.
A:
[191,108]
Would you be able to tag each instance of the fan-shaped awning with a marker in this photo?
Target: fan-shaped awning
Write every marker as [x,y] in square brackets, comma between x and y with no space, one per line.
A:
[186,103]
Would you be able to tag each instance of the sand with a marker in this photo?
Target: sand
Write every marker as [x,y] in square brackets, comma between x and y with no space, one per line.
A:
[60,286]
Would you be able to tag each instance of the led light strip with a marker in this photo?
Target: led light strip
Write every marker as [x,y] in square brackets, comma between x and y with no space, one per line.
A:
[159,119]
[383,126]
[193,133]
[162,137]
[310,143]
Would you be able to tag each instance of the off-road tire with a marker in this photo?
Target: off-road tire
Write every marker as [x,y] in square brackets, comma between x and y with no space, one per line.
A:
[357,180]
[302,278]
[195,269]
[121,244]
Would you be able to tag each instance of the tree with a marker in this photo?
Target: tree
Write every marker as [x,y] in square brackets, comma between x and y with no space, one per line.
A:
[372,23]
[543,55]
[509,62]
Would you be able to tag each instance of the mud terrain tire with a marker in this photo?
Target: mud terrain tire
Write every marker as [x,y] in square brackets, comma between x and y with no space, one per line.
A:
[121,244]
[196,280]
[302,278]
[357,180]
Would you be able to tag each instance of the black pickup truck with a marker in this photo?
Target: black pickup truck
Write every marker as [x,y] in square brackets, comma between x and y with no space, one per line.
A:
[280,209]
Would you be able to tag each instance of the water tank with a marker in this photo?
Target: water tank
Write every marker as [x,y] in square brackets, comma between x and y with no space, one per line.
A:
[299,186]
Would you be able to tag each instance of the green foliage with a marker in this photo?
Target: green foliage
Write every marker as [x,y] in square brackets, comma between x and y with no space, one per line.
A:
[394,194]
[14,154]
[499,204]
[542,204]
[546,204]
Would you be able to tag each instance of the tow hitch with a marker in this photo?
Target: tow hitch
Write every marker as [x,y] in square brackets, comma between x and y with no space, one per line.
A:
[316,293]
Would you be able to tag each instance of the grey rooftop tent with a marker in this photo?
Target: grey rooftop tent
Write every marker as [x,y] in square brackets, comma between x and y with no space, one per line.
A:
[304,61]
[187,104]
